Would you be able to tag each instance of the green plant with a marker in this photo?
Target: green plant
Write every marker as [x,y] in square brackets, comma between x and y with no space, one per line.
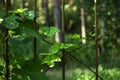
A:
[107,74]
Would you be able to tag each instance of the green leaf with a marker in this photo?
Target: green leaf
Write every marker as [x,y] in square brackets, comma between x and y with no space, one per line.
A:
[76,36]
[10,22]
[67,46]
[58,46]
[52,31]
[50,60]
[30,15]
[18,10]
[49,31]
[55,48]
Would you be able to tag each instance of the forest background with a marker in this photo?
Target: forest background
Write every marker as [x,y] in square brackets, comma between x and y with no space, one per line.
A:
[78,39]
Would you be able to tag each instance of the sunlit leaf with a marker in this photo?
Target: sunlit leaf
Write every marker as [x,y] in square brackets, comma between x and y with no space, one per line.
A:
[50,60]
[18,10]
[67,46]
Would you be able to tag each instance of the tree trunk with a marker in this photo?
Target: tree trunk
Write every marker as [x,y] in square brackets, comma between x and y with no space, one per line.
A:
[57,19]
[22,3]
[9,3]
[47,12]
[83,29]
[2,2]
[30,4]
[102,28]
[45,8]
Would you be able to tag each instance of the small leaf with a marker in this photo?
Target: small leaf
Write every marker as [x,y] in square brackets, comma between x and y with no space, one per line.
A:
[68,46]
[55,48]
[18,10]
[52,31]
[49,31]
[51,64]
[50,60]
[58,46]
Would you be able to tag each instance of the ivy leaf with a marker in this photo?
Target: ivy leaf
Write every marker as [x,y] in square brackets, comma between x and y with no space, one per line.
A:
[49,31]
[50,60]
[10,22]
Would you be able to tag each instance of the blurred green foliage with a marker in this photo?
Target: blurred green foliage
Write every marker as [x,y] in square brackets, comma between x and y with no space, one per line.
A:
[21,34]
[107,74]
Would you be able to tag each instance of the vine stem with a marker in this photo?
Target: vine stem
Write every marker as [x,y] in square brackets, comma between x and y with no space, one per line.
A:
[6,46]
[35,28]
[96,38]
[63,40]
